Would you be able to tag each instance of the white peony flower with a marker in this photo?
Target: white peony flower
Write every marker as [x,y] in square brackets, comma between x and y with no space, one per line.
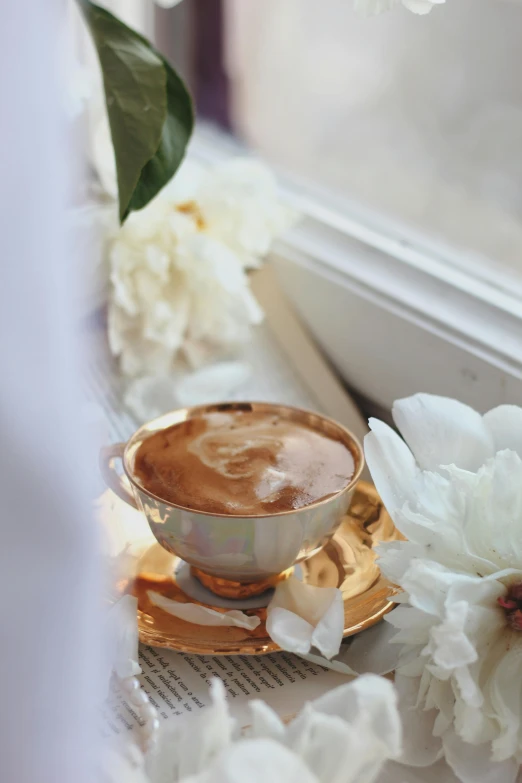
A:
[374,7]
[455,492]
[178,268]
[343,737]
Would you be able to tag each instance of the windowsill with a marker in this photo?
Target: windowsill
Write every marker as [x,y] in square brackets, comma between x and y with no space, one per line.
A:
[403,279]
[394,317]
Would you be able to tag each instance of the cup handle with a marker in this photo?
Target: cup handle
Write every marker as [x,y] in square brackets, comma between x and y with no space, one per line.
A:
[115,481]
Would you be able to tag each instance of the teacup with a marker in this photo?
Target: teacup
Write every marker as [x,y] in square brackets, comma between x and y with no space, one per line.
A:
[240,549]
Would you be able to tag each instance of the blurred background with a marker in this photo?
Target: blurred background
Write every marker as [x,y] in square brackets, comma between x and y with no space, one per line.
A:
[417,118]
[400,135]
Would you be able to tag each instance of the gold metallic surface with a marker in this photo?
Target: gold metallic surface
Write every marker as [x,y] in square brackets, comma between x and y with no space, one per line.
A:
[347,561]
[228,589]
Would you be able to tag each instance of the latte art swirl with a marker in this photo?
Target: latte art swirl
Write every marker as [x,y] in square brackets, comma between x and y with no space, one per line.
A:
[233,455]
[243,462]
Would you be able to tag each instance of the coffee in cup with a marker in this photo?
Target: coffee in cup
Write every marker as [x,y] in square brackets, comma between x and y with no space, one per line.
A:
[243,462]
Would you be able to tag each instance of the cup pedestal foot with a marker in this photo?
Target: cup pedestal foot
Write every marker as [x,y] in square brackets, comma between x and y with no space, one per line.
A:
[226,588]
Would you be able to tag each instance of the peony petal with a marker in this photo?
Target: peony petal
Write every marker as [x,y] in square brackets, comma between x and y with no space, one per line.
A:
[265,722]
[256,761]
[212,384]
[328,633]
[307,601]
[347,734]
[240,206]
[394,558]
[122,624]
[466,680]
[289,631]
[300,616]
[421,748]
[441,431]
[504,691]
[440,696]
[187,747]
[336,664]
[472,724]
[427,584]
[434,517]
[451,647]
[414,625]
[498,496]
[421,7]
[472,764]
[391,464]
[203,615]
[373,696]
[328,745]
[436,540]
[505,425]
[378,698]
[449,521]
[151,396]
[412,664]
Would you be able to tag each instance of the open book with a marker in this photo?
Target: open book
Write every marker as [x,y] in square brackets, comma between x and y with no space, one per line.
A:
[178,683]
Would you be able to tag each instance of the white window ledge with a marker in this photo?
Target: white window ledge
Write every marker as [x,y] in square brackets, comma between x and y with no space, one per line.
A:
[392,317]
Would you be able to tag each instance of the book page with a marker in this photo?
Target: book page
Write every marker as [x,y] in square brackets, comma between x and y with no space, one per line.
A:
[178,684]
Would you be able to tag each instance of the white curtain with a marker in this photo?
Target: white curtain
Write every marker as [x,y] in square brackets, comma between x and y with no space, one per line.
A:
[50,639]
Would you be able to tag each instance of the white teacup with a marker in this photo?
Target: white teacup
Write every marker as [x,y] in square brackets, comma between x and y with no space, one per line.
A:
[244,549]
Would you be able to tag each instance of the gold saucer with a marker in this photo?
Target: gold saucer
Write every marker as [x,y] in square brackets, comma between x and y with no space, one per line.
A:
[346,562]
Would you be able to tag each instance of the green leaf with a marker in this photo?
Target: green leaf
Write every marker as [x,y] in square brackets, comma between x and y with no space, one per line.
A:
[174,139]
[150,110]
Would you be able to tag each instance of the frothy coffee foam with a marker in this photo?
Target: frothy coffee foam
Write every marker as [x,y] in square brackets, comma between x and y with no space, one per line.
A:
[243,462]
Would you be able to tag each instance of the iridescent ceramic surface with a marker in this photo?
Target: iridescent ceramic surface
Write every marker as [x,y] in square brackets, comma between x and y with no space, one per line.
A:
[348,561]
[240,549]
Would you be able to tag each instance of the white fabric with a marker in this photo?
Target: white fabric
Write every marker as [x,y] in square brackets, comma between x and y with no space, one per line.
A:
[49,672]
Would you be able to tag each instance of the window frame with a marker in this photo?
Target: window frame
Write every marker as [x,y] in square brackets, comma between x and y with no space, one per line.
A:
[418,297]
